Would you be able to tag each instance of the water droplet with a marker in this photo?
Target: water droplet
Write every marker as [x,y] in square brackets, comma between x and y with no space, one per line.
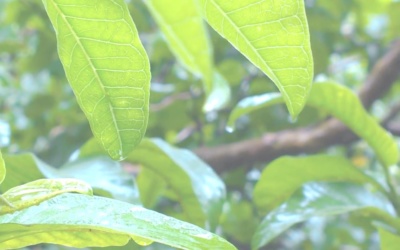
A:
[292,119]
[229,129]
[141,241]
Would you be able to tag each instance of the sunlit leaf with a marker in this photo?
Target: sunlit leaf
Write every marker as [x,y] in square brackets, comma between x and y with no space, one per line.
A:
[35,192]
[389,241]
[344,105]
[184,30]
[200,191]
[104,175]
[185,33]
[107,68]
[83,221]
[271,190]
[318,199]
[274,36]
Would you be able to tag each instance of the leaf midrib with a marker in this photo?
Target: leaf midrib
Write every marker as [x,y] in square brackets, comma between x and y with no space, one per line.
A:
[92,67]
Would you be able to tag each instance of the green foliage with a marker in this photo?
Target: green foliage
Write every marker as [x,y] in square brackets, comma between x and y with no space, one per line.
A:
[109,222]
[277,42]
[107,68]
[323,200]
[98,84]
[270,191]
[336,100]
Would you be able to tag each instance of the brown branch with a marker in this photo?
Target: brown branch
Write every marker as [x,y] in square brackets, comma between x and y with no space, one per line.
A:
[305,140]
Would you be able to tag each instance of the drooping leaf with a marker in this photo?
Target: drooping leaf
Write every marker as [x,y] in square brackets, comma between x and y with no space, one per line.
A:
[185,33]
[271,190]
[389,240]
[344,105]
[251,104]
[104,175]
[151,186]
[35,192]
[107,68]
[184,30]
[83,221]
[316,199]
[2,169]
[200,191]
[274,36]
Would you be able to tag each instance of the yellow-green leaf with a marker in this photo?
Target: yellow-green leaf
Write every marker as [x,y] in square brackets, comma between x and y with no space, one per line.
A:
[35,192]
[274,36]
[107,68]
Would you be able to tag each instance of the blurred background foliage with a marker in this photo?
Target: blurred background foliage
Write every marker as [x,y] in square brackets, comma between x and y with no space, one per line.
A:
[39,113]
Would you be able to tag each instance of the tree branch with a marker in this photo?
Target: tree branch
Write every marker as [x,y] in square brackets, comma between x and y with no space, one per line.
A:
[310,139]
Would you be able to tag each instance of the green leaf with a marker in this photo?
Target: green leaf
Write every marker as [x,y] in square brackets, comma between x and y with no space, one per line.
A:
[84,221]
[250,104]
[200,191]
[184,30]
[151,186]
[389,241]
[104,175]
[274,36]
[324,200]
[270,191]
[185,33]
[35,192]
[344,105]
[2,169]
[107,68]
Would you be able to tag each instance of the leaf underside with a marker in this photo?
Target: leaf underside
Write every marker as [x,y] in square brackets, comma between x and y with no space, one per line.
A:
[107,68]
[274,36]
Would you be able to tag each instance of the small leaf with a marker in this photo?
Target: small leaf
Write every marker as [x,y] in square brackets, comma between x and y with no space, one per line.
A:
[65,220]
[35,192]
[389,241]
[107,68]
[2,169]
[219,95]
[344,105]
[250,104]
[201,192]
[324,200]
[270,191]
[274,36]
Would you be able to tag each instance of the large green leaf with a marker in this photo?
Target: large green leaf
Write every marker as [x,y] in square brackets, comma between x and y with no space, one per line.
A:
[35,192]
[341,103]
[324,200]
[83,221]
[104,175]
[270,191]
[107,68]
[200,191]
[274,36]
[2,169]
[197,187]
[184,30]
[389,241]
